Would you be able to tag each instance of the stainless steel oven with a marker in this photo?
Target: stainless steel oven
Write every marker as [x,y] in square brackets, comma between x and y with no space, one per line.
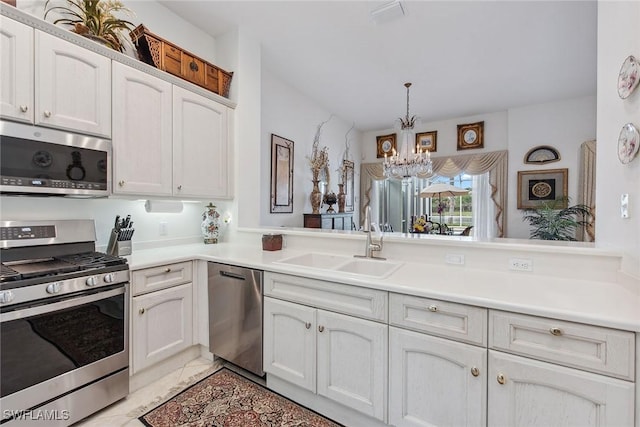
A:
[42,161]
[64,316]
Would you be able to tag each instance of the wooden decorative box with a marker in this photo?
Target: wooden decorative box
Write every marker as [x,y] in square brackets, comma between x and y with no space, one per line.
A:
[168,57]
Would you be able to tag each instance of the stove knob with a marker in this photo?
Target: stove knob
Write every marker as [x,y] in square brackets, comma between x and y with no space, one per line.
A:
[91,281]
[109,277]
[54,288]
[6,296]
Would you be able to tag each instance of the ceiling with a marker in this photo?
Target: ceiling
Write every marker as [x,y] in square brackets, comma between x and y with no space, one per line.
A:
[463,57]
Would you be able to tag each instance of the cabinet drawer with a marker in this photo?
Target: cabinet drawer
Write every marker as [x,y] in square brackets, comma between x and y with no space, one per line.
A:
[593,348]
[165,276]
[450,320]
[347,299]
[192,69]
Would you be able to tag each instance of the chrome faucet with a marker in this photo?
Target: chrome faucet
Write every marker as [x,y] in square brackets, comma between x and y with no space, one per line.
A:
[370,246]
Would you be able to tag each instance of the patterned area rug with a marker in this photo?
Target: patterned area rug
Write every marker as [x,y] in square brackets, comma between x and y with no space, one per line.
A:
[226,399]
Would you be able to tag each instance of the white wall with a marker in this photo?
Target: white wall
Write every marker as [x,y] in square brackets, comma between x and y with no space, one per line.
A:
[564,125]
[288,113]
[618,37]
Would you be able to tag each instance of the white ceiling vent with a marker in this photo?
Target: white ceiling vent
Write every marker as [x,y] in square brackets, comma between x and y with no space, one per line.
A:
[387,11]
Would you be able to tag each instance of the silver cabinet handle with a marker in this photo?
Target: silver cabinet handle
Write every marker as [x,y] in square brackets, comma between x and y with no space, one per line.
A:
[320,328]
[179,187]
[24,108]
[307,325]
[501,379]
[141,311]
[167,270]
[433,308]
[47,113]
[555,331]
[121,183]
[475,371]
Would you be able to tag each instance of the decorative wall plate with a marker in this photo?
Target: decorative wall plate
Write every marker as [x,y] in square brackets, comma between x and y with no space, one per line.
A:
[541,154]
[628,77]
[628,143]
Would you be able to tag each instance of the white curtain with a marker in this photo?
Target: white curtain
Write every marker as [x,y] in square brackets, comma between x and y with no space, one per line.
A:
[483,208]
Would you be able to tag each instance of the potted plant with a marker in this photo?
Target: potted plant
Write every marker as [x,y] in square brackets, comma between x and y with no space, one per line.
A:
[94,19]
[552,222]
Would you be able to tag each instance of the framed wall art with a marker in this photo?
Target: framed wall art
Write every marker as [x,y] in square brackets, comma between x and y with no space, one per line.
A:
[349,186]
[541,154]
[386,145]
[471,135]
[281,175]
[427,141]
[540,186]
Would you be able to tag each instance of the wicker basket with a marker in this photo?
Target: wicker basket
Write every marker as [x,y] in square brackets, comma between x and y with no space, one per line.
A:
[168,57]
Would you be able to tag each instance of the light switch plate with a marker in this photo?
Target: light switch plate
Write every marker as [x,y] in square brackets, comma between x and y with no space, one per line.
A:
[457,259]
[624,206]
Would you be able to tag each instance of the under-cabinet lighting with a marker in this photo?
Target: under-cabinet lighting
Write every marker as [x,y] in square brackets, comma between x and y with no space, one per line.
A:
[163,206]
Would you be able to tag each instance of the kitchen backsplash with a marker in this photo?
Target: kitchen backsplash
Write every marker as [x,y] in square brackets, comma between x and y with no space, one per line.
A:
[152,229]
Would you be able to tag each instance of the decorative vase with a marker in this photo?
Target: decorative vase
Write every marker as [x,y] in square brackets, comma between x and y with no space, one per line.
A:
[341,198]
[330,199]
[210,224]
[316,198]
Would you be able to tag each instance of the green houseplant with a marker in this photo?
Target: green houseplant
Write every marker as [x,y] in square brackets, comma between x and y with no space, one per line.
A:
[94,19]
[551,221]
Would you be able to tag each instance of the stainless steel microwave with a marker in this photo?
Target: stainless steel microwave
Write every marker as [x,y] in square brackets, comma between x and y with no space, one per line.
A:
[42,161]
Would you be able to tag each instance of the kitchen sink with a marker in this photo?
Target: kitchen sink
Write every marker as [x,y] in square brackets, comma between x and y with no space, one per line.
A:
[352,266]
[315,260]
[368,267]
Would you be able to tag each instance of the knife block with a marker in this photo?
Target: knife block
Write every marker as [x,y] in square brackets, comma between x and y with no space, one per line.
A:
[123,247]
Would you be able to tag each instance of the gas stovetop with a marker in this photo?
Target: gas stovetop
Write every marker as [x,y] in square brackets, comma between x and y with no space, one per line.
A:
[58,265]
[53,259]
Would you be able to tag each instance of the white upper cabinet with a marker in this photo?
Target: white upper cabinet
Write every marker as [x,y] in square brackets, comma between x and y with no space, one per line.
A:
[72,87]
[141,133]
[200,146]
[16,69]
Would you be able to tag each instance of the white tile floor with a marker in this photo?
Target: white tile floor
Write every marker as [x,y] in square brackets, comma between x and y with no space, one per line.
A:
[126,411]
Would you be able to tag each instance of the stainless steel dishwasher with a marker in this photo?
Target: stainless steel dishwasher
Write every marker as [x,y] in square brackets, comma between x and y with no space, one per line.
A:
[235,315]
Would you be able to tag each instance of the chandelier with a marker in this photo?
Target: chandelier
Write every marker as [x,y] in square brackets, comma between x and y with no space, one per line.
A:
[410,160]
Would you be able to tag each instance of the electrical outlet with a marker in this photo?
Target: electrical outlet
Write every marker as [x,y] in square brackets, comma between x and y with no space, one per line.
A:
[454,259]
[520,264]
[164,228]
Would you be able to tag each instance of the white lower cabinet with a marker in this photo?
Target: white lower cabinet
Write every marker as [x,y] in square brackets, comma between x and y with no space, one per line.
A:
[526,392]
[435,381]
[342,358]
[162,325]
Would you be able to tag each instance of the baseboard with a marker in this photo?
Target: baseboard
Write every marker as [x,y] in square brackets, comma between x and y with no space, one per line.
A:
[322,405]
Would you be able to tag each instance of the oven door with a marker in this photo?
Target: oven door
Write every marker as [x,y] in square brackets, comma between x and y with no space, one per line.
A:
[52,348]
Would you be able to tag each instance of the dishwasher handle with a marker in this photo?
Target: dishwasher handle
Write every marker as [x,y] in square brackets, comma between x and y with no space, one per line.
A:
[232,275]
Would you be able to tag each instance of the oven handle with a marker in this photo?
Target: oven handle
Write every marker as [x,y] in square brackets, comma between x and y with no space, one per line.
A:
[61,305]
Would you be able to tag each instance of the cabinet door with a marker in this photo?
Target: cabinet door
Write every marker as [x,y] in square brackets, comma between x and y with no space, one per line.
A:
[432,381]
[290,342]
[72,87]
[141,133]
[526,392]
[162,325]
[16,68]
[200,146]
[352,362]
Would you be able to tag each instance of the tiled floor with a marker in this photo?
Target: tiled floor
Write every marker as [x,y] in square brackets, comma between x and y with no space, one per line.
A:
[126,411]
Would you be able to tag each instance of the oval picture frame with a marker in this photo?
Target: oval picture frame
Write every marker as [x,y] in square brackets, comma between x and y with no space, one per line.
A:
[541,155]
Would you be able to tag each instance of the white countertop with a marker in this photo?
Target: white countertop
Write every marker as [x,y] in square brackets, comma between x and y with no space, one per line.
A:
[593,302]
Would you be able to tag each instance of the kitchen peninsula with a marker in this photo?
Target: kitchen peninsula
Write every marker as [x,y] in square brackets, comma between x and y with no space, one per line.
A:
[451,299]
